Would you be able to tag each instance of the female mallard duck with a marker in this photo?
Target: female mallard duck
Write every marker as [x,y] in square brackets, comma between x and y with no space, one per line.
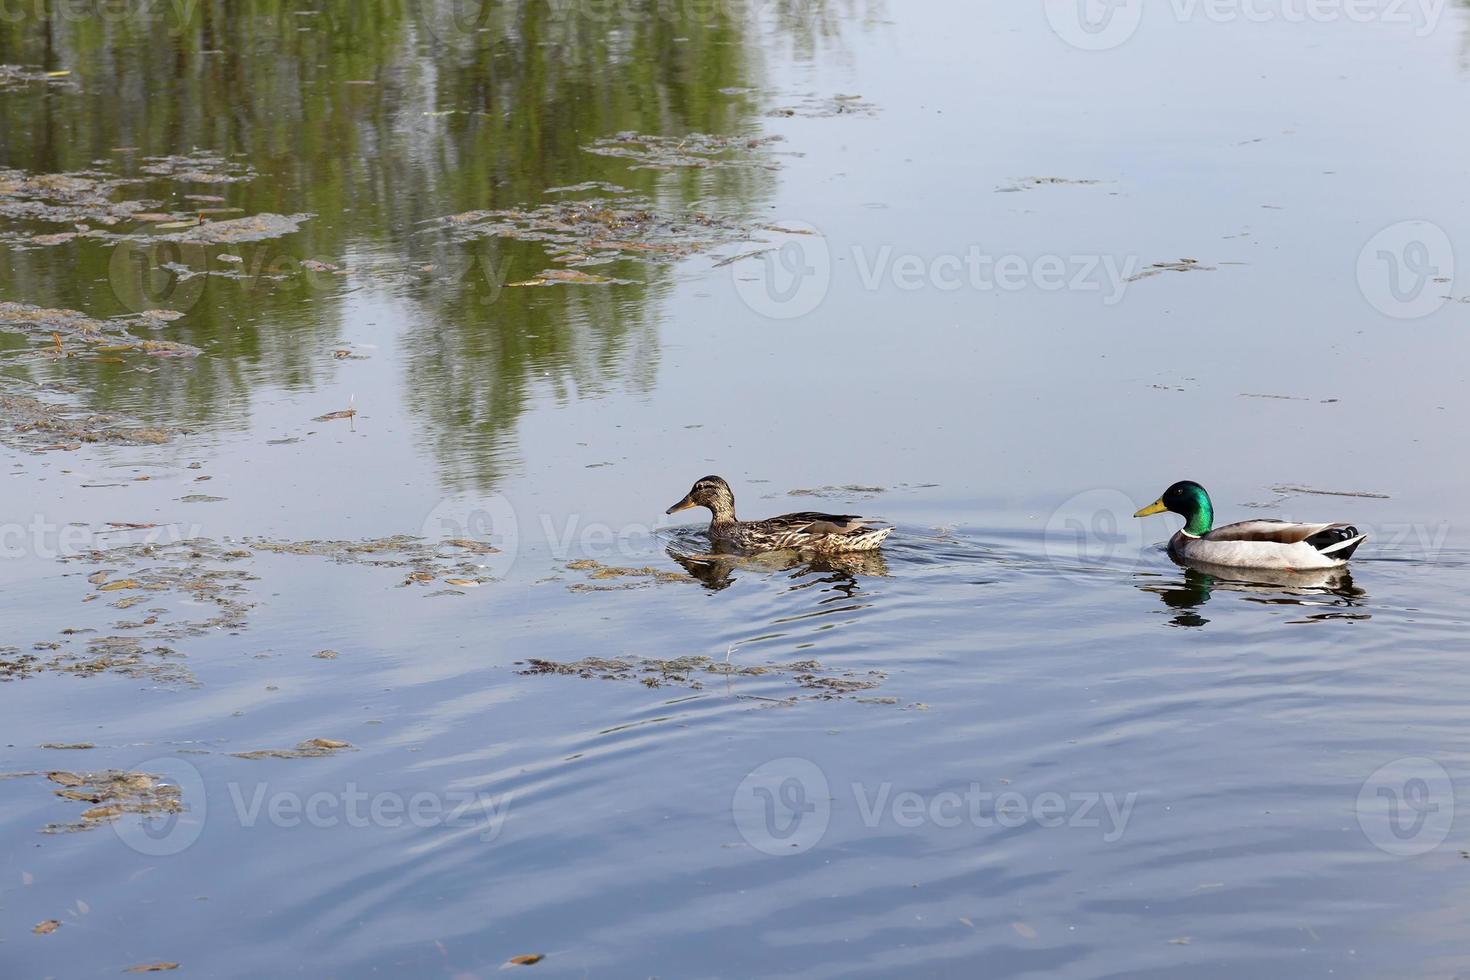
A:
[1251,544]
[806,531]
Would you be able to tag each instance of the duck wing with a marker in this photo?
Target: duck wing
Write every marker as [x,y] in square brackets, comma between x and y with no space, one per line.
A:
[1326,538]
[812,522]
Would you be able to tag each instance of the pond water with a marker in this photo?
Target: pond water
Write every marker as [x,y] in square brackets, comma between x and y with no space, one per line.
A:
[996,273]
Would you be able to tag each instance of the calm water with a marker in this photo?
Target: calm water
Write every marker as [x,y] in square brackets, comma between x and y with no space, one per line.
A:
[1028,743]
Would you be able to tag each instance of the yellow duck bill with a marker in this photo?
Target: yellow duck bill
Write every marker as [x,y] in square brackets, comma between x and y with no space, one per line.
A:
[1157,507]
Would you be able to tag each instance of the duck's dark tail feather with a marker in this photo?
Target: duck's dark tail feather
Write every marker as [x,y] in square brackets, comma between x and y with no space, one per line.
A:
[1339,542]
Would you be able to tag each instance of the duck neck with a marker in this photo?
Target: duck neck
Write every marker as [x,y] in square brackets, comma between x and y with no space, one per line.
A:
[1203,518]
[723,512]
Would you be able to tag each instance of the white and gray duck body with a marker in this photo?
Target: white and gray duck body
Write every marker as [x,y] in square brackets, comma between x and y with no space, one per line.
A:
[1251,544]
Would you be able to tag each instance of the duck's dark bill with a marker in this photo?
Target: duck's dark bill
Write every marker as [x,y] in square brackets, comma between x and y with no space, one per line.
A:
[684,504]
[1157,507]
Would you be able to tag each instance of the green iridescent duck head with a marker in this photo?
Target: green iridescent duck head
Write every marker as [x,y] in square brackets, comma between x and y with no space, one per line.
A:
[1189,500]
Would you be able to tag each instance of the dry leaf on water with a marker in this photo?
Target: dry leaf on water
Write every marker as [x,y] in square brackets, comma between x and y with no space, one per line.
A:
[526,959]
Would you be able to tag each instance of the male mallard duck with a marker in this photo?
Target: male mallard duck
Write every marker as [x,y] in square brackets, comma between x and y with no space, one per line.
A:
[806,531]
[1251,544]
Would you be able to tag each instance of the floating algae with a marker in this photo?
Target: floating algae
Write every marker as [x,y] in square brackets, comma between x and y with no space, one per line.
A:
[69,198]
[1030,183]
[18,76]
[254,228]
[200,167]
[1183,265]
[67,333]
[29,423]
[187,567]
[590,231]
[700,151]
[608,578]
[113,793]
[819,107]
[824,684]
[422,561]
[88,198]
[312,748]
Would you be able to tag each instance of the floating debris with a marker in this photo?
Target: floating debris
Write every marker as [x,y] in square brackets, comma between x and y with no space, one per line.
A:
[113,793]
[67,333]
[423,562]
[188,569]
[1183,265]
[847,491]
[29,423]
[692,672]
[1030,183]
[641,577]
[589,185]
[127,656]
[817,107]
[198,168]
[592,231]
[1289,489]
[85,196]
[312,748]
[255,228]
[15,76]
[694,150]
[555,277]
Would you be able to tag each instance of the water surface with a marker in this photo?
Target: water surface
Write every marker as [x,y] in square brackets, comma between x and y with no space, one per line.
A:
[1019,741]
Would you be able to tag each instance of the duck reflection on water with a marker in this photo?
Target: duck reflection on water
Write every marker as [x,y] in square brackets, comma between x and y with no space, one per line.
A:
[837,572]
[1329,591]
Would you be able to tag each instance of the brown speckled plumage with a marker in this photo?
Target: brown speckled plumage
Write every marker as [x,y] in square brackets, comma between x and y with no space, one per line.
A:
[804,531]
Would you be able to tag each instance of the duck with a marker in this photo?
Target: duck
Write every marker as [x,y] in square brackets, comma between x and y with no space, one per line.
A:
[803,531]
[1250,544]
